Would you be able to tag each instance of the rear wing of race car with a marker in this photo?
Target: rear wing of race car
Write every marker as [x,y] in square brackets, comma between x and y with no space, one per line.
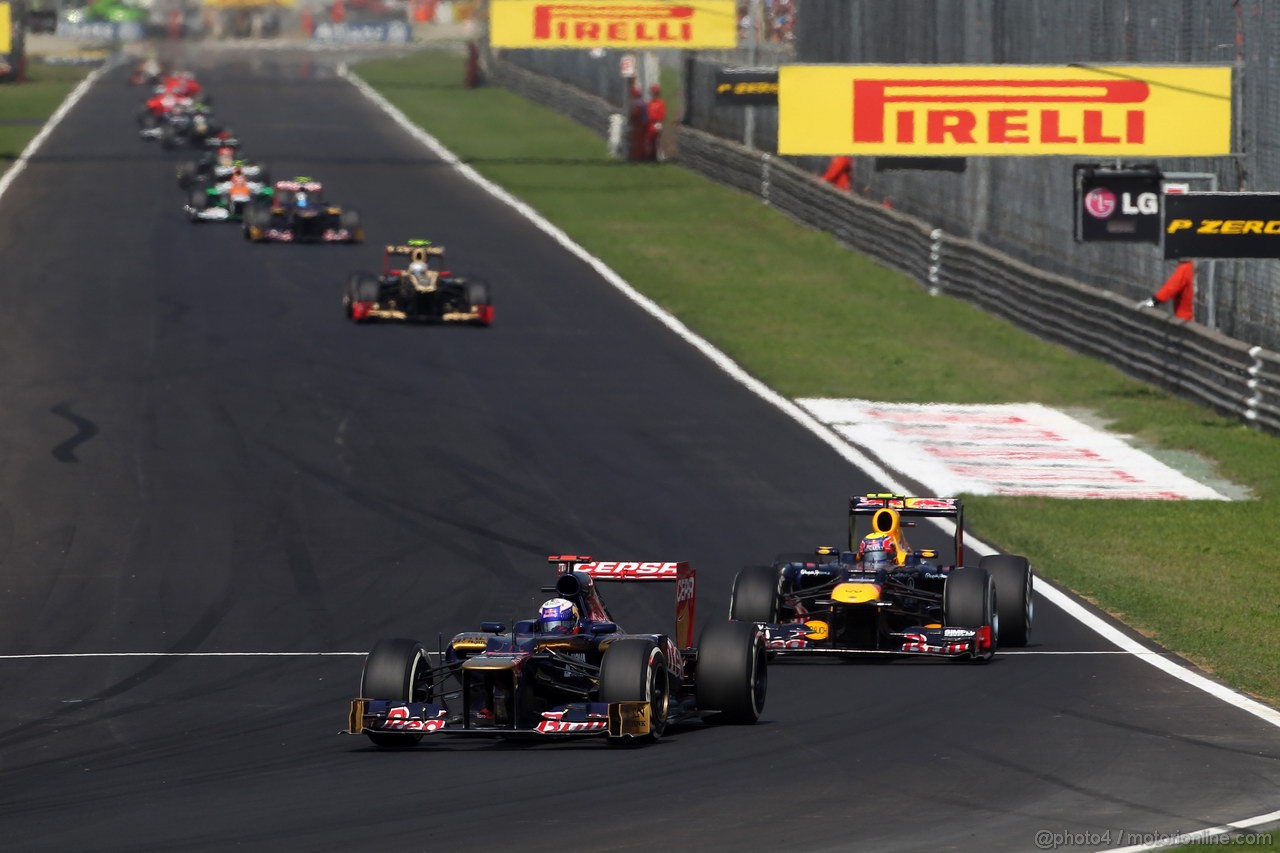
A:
[414,250]
[683,575]
[886,512]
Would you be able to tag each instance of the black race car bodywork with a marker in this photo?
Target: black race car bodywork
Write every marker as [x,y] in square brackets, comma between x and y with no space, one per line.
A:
[218,163]
[298,213]
[433,295]
[192,126]
[599,681]
[827,602]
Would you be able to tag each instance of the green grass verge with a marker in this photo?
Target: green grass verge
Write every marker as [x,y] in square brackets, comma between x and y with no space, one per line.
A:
[24,107]
[789,304]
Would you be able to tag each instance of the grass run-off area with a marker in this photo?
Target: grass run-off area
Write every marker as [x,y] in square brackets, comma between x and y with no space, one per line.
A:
[794,307]
[24,107]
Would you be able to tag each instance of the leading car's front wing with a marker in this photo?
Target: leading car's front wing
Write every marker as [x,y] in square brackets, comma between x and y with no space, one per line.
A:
[804,638]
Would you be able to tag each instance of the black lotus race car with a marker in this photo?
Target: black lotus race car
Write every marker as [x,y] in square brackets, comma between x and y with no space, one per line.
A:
[598,680]
[881,597]
[422,291]
[298,213]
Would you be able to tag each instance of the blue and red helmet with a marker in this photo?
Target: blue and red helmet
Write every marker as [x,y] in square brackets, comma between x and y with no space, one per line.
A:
[558,616]
[877,551]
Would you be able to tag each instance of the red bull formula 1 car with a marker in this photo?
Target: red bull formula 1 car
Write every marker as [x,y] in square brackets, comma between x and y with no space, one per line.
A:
[572,672]
[882,597]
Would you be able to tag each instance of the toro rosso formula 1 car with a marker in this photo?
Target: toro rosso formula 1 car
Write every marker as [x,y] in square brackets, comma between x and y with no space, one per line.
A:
[882,597]
[577,675]
[298,213]
[422,291]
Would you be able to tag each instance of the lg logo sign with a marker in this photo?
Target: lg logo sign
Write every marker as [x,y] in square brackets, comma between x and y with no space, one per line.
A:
[1101,203]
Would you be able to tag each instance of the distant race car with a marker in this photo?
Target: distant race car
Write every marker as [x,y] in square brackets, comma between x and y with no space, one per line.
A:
[539,680]
[881,597]
[191,125]
[220,159]
[298,213]
[420,291]
[225,200]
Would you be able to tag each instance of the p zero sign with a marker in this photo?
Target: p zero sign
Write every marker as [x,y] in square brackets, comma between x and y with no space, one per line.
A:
[747,87]
[1117,204]
[641,24]
[1002,110]
[1222,225]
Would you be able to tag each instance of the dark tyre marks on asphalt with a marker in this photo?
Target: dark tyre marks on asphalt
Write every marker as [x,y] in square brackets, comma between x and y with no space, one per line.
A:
[85,430]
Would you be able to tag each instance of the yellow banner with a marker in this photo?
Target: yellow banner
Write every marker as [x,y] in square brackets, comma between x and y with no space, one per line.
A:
[636,24]
[6,29]
[1004,110]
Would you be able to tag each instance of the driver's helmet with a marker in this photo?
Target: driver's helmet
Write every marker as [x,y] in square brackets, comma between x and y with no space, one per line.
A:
[226,156]
[418,269]
[558,616]
[877,551]
[300,200]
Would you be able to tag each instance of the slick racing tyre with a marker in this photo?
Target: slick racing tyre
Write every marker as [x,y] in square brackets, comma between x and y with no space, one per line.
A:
[969,601]
[733,675]
[396,670]
[197,200]
[1012,577]
[635,670]
[350,220]
[187,174]
[360,288]
[755,595]
[256,217]
[477,295]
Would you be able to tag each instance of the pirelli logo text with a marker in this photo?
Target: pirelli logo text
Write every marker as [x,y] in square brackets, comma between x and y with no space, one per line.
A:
[968,112]
[598,23]
[1003,110]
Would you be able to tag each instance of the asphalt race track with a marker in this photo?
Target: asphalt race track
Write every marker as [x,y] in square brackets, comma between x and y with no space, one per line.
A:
[198,454]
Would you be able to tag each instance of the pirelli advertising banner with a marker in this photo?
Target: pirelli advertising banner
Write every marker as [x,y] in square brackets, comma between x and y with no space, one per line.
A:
[1222,225]
[1004,110]
[631,24]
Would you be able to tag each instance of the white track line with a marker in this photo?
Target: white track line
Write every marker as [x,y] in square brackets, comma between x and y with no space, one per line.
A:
[792,410]
[59,114]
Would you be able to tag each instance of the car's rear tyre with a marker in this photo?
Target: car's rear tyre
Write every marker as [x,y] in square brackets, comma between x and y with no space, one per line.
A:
[969,601]
[635,670]
[187,174]
[733,673]
[394,671]
[361,287]
[197,200]
[350,220]
[755,595]
[479,300]
[1014,601]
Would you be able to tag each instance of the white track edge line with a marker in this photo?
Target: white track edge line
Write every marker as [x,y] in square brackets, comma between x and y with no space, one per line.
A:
[790,408]
[73,97]
[1203,834]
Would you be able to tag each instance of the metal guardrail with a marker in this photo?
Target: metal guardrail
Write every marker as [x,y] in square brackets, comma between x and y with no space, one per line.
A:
[1184,358]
